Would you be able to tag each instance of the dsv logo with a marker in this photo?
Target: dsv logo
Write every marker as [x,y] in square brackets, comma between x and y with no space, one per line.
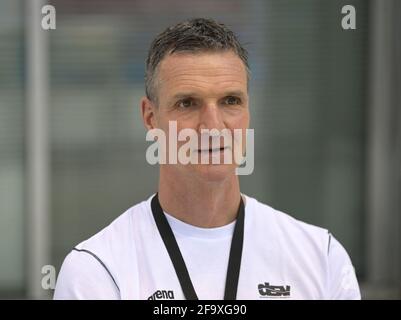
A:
[266,290]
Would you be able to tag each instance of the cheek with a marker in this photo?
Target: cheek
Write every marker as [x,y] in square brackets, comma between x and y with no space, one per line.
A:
[163,120]
[239,121]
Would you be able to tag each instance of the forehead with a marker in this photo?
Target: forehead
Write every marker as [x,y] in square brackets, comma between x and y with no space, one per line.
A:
[205,72]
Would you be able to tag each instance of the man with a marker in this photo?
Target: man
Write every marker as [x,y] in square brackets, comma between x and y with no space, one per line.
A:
[198,237]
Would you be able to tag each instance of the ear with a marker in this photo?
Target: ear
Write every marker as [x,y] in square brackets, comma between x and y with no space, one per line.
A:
[148,110]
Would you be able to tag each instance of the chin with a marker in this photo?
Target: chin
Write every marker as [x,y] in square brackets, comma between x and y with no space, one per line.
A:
[213,172]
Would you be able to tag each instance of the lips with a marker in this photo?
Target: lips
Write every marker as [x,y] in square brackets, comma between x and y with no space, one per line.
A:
[212,149]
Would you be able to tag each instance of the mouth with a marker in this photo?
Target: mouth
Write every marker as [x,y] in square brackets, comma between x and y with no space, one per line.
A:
[212,150]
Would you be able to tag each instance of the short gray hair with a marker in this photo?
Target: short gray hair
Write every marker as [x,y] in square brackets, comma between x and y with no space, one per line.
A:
[194,35]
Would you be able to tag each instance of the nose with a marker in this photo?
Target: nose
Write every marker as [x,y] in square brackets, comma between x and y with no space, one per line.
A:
[210,117]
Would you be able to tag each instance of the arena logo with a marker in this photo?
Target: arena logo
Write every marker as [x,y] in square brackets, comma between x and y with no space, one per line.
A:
[183,147]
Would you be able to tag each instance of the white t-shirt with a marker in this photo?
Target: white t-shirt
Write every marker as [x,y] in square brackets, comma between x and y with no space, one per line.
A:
[282,258]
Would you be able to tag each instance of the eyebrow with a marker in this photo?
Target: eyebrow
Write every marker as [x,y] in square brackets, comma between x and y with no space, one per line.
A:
[183,95]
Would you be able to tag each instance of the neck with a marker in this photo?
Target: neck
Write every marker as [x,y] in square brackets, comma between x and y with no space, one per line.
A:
[200,203]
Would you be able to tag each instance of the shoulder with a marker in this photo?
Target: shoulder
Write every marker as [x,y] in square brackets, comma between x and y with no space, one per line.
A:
[111,237]
[342,280]
[112,241]
[85,276]
[287,229]
[310,246]
[100,260]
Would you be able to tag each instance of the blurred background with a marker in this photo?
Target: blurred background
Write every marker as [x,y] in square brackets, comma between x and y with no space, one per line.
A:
[325,106]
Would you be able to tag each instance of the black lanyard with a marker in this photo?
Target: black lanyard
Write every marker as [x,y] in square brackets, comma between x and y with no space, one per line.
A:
[181,270]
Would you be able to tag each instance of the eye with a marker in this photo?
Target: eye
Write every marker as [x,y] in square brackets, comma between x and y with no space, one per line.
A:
[186,103]
[231,100]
